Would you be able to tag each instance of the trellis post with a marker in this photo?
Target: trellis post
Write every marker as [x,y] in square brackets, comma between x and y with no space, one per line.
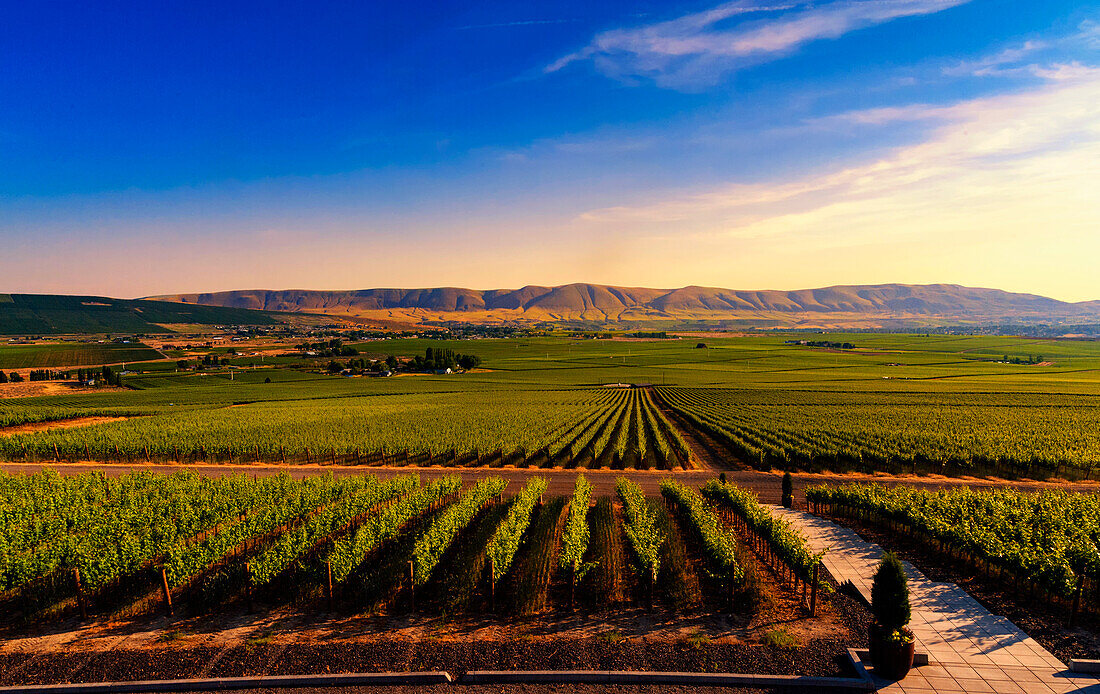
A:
[80,594]
[331,601]
[813,592]
[166,590]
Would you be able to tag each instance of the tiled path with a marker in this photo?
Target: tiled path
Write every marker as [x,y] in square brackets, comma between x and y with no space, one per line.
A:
[969,649]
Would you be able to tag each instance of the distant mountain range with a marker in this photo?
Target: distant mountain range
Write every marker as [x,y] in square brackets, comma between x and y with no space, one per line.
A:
[885,305]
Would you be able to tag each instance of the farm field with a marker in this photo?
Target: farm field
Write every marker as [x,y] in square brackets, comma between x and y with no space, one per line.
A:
[898,403]
[1030,557]
[46,355]
[143,542]
[1048,539]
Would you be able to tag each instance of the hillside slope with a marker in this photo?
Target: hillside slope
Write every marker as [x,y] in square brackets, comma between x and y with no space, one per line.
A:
[602,303]
[51,314]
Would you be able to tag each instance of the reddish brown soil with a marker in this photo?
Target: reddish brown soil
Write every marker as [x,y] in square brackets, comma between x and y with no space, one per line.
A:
[33,389]
[58,424]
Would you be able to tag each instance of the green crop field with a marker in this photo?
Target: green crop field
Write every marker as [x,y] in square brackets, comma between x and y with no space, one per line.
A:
[1047,539]
[125,545]
[47,355]
[52,314]
[895,402]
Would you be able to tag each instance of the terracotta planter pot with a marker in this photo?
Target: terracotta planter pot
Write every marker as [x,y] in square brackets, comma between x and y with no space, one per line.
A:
[894,660]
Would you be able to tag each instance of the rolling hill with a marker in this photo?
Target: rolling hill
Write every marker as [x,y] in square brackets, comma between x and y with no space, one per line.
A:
[829,307]
[52,314]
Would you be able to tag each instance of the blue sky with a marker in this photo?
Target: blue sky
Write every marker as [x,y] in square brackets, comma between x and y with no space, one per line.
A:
[164,147]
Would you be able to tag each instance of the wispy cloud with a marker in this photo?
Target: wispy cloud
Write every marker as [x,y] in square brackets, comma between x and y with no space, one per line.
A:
[994,166]
[1049,59]
[699,50]
[1090,33]
[1003,62]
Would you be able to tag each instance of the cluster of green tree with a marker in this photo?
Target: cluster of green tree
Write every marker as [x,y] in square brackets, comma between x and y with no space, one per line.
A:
[464,331]
[1020,360]
[332,348]
[439,359]
[360,366]
[14,378]
[650,336]
[106,375]
[47,375]
[592,335]
[822,343]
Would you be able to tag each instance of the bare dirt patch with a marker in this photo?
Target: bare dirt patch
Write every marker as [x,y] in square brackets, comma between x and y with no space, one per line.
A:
[285,640]
[34,389]
[58,424]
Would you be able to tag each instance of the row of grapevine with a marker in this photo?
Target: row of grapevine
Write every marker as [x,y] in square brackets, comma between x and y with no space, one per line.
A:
[301,539]
[640,528]
[574,541]
[441,533]
[786,542]
[1049,538]
[119,526]
[502,548]
[277,502]
[856,430]
[277,534]
[349,551]
[572,428]
[719,546]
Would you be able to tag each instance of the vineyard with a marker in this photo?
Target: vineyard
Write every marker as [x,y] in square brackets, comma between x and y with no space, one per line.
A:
[612,428]
[959,435]
[1035,542]
[73,354]
[146,542]
[898,403]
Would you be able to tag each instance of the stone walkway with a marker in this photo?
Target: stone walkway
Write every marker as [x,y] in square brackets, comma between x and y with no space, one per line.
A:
[969,649]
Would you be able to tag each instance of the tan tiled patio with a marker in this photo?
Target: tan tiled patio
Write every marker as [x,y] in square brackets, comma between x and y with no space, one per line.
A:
[968,649]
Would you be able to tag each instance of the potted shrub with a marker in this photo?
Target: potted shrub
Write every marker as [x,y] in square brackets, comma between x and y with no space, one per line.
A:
[788,490]
[891,641]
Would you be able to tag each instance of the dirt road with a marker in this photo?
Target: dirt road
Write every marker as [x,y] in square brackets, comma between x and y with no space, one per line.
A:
[560,482]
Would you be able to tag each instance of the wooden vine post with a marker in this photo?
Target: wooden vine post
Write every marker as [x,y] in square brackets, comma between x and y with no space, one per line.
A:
[331,599]
[412,586]
[813,591]
[167,592]
[1076,601]
[80,594]
[492,584]
[573,589]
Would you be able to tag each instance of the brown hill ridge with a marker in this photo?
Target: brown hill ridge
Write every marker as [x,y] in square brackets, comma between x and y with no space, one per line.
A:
[829,306]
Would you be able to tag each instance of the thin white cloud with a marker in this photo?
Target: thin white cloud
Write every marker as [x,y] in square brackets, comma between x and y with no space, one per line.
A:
[1004,62]
[1089,33]
[698,50]
[1008,163]
[1050,59]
